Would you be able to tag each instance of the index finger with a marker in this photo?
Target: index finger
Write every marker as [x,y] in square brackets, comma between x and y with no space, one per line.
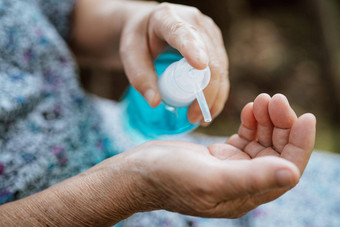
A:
[183,36]
[138,64]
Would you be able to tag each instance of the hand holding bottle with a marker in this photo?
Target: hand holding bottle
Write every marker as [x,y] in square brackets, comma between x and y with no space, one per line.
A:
[109,34]
[146,33]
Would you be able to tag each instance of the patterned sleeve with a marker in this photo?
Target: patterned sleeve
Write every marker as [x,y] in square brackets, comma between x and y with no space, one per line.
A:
[59,13]
[34,64]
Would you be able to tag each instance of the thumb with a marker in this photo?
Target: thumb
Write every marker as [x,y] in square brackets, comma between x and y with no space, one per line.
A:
[251,177]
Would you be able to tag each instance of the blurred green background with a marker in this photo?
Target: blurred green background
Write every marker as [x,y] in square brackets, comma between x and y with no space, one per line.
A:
[284,46]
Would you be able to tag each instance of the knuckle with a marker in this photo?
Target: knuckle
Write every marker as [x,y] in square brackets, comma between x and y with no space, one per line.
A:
[214,84]
[165,6]
[219,68]
[181,27]
[222,71]
[189,31]
[177,26]
[209,20]
[162,11]
[215,65]
[195,12]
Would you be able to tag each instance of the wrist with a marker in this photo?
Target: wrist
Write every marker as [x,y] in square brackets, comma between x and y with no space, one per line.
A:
[112,190]
[103,195]
[144,165]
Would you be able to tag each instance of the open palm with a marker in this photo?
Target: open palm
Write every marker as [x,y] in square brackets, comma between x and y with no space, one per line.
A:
[258,164]
[269,128]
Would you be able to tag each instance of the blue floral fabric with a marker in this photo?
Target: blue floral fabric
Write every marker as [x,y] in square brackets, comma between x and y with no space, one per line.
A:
[49,130]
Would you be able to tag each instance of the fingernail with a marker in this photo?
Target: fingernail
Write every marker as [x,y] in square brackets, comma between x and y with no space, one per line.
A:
[150,95]
[193,118]
[197,119]
[205,124]
[284,178]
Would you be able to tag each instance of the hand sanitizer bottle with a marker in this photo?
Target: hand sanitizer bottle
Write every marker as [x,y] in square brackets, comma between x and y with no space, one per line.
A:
[179,84]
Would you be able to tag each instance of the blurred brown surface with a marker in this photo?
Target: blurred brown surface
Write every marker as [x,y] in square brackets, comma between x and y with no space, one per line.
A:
[288,46]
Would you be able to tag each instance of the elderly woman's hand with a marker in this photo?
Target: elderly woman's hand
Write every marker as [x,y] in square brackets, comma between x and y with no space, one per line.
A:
[228,180]
[265,159]
[193,34]
[140,31]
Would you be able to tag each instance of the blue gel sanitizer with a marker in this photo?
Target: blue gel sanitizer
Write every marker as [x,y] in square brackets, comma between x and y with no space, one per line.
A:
[179,84]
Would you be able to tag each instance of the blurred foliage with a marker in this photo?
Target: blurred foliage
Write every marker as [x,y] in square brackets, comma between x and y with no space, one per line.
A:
[283,46]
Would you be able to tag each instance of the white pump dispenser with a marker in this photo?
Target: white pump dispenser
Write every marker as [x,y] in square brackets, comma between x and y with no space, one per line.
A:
[181,84]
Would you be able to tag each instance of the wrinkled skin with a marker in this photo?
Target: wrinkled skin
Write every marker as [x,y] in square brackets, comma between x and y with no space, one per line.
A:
[133,33]
[260,163]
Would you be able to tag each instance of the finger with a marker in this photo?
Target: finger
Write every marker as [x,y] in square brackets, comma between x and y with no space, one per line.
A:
[212,90]
[237,141]
[218,88]
[214,34]
[247,130]
[211,29]
[265,126]
[257,176]
[224,151]
[217,105]
[168,26]
[210,93]
[138,63]
[301,141]
[215,37]
[282,117]
[221,97]
[248,126]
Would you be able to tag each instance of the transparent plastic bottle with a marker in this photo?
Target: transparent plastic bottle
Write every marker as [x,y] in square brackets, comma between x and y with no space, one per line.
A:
[179,85]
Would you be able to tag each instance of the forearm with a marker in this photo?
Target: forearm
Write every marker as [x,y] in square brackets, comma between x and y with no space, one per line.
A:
[98,24]
[103,195]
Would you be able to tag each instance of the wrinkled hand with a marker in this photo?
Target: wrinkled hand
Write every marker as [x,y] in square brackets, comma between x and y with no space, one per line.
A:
[265,159]
[149,29]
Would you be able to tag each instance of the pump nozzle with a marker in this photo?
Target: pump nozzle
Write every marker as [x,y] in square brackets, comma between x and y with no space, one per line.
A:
[204,106]
[202,102]
[180,84]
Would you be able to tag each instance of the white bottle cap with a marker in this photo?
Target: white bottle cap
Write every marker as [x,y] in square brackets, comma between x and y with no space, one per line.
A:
[181,84]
